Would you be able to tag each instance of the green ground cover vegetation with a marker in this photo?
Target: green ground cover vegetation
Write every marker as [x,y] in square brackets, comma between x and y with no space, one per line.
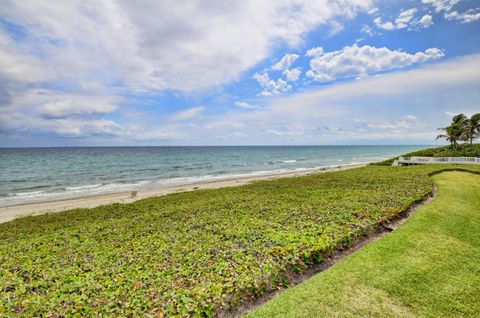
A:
[194,253]
[428,267]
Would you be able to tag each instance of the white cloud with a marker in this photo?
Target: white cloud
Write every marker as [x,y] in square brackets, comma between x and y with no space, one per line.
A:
[285,62]
[292,75]
[405,123]
[82,128]
[276,87]
[404,18]
[194,45]
[466,112]
[426,21]
[425,93]
[411,117]
[61,105]
[188,113]
[271,87]
[316,51]
[419,97]
[286,131]
[471,15]
[98,50]
[441,5]
[457,80]
[21,122]
[355,61]
[44,102]
[19,66]
[384,25]
[446,6]
[245,105]
[262,78]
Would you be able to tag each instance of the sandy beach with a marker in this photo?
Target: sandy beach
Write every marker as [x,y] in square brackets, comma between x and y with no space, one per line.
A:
[9,213]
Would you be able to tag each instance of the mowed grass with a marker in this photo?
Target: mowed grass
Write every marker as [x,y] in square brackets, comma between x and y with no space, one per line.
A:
[428,267]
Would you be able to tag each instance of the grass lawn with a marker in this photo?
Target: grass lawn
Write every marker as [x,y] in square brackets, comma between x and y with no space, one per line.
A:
[428,267]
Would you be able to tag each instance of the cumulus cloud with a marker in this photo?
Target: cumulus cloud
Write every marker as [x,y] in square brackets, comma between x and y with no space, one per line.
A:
[99,49]
[292,75]
[405,19]
[196,44]
[302,117]
[465,17]
[188,113]
[355,61]
[328,114]
[457,80]
[285,62]
[441,5]
[426,21]
[271,87]
[384,25]
[447,6]
[316,51]
[94,52]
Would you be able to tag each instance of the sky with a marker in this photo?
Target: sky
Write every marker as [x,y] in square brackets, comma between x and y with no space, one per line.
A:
[205,72]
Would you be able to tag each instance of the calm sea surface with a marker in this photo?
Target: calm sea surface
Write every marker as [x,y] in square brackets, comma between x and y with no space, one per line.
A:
[40,174]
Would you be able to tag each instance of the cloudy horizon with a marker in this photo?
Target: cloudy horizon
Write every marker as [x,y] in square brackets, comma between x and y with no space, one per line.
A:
[346,72]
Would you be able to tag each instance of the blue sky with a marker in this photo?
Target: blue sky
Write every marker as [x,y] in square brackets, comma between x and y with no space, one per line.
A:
[81,73]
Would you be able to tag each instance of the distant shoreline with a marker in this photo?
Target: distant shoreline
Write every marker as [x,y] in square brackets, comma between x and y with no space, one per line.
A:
[8,213]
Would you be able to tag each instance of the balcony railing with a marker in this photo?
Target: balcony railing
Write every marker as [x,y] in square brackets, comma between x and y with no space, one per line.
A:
[438,160]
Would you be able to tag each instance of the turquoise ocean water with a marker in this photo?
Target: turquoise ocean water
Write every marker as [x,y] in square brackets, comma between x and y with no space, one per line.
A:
[42,174]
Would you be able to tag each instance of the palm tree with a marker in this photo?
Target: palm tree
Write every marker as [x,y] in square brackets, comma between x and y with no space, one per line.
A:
[462,128]
[471,128]
[453,134]
[459,119]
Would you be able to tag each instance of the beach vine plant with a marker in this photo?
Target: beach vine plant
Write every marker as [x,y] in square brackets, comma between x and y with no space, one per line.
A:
[195,253]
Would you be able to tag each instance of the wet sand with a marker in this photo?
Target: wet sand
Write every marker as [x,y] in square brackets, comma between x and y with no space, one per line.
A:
[9,213]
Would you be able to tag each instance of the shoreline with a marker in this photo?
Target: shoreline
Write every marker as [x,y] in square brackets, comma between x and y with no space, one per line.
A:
[10,212]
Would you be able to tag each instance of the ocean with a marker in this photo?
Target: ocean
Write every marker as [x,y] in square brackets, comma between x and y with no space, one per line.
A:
[42,174]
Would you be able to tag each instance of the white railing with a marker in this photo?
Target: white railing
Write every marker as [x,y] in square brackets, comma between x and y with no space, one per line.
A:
[439,160]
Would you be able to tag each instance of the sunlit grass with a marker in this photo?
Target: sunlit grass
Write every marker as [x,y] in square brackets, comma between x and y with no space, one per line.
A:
[429,267]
